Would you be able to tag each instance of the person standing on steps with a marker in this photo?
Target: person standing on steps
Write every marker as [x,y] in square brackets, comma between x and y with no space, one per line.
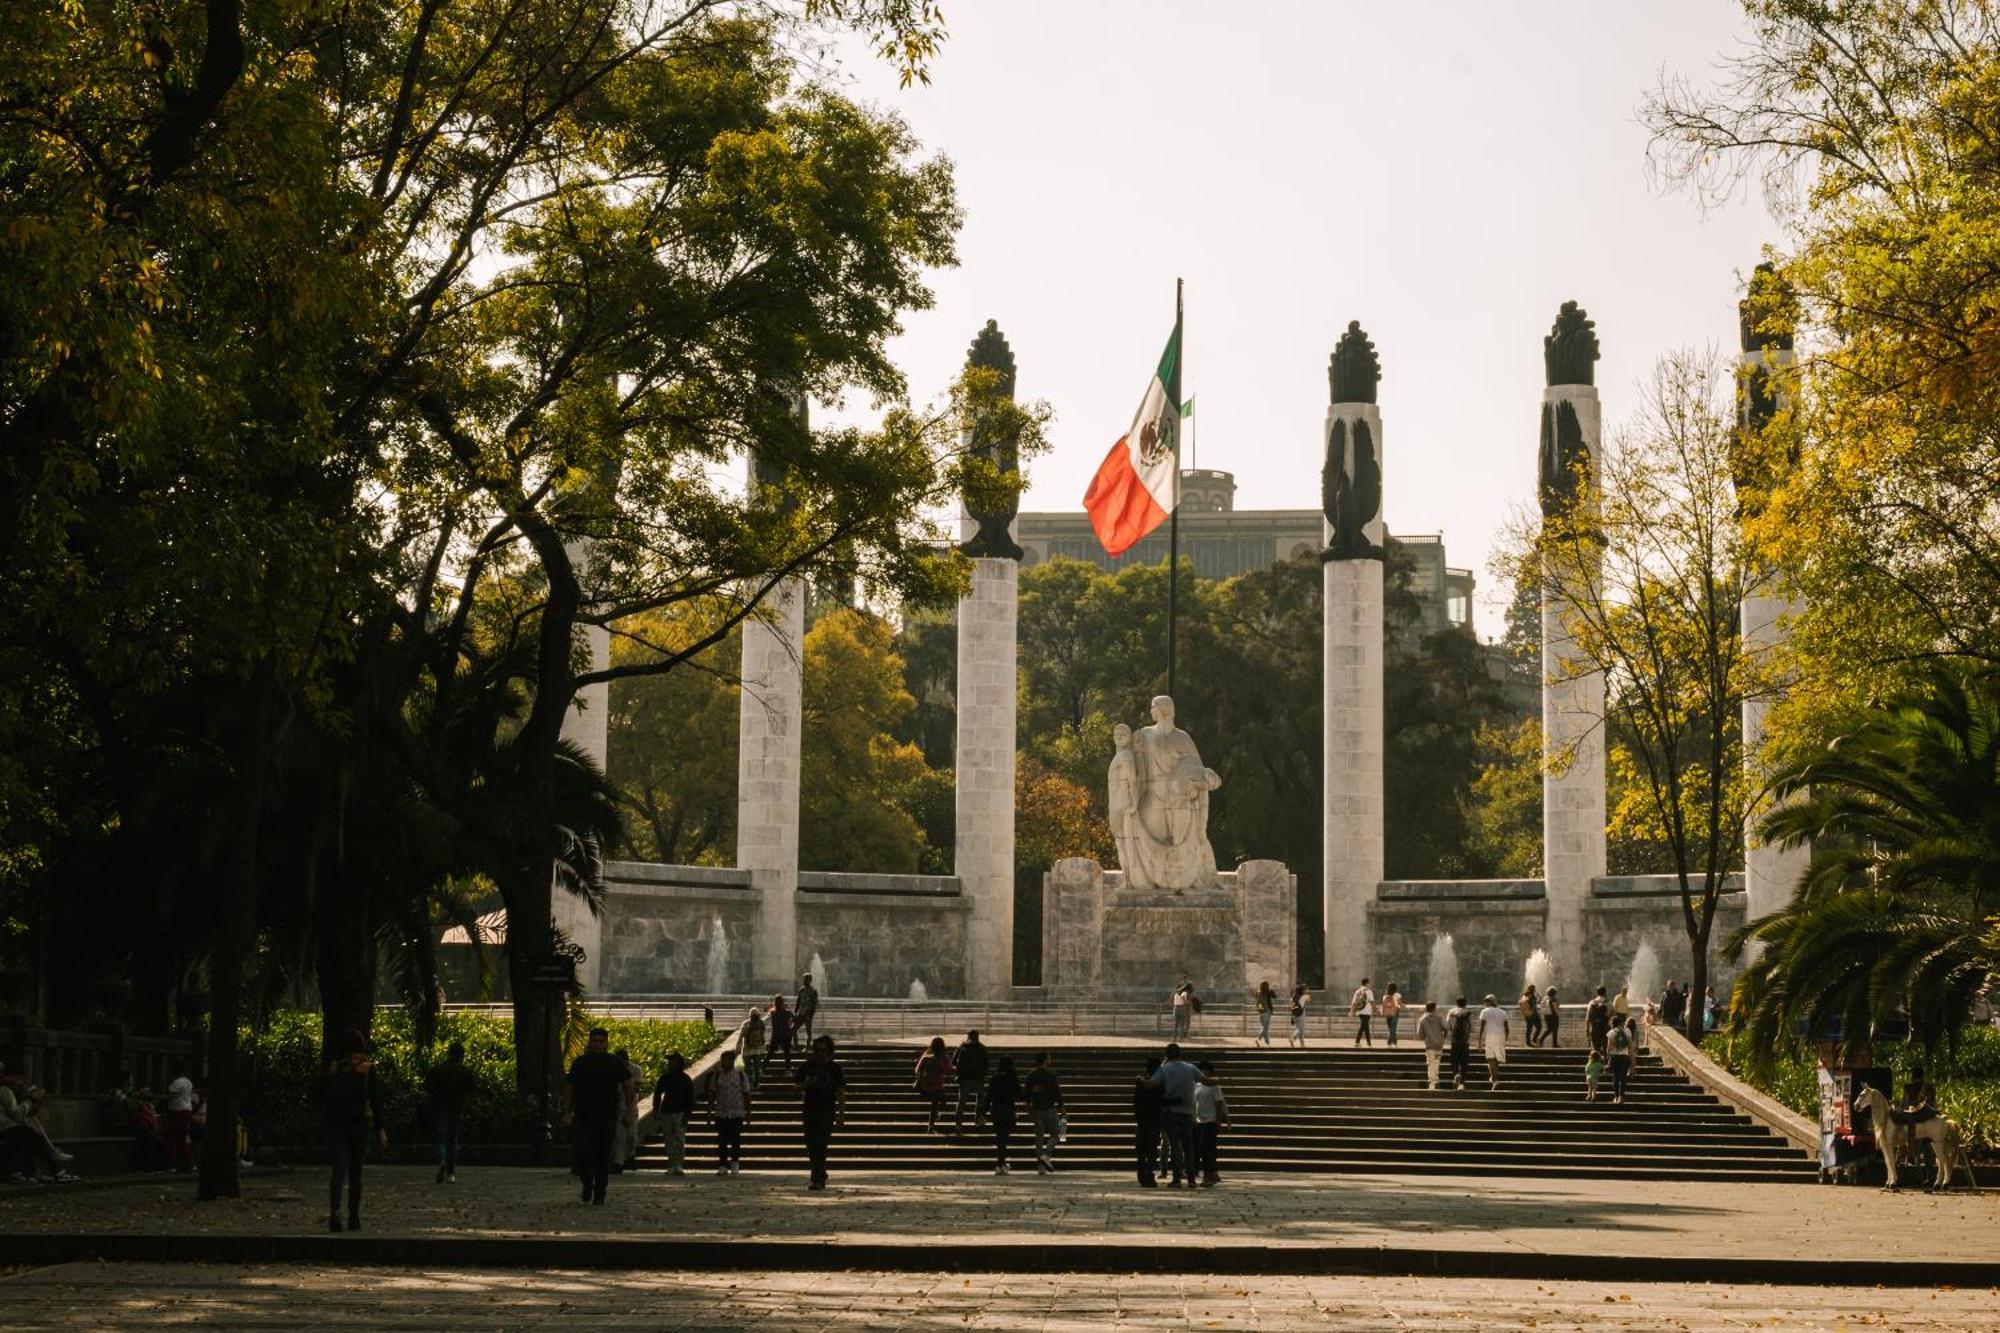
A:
[1531,1016]
[932,1073]
[593,1095]
[969,1063]
[1183,1001]
[1597,1020]
[751,1047]
[1211,1117]
[1147,1100]
[805,1010]
[1267,1001]
[1003,1098]
[446,1086]
[1301,997]
[822,1104]
[1458,1030]
[1392,1010]
[1620,1045]
[729,1102]
[1493,1038]
[781,1022]
[350,1102]
[1430,1031]
[1175,1079]
[1554,1028]
[1045,1102]
[1361,1008]
[1621,1003]
[673,1103]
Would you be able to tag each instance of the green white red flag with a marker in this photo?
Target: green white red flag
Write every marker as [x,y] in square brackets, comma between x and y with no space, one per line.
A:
[1138,484]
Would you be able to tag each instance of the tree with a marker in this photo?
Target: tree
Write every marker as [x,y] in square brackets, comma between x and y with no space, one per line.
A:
[1893,913]
[1649,566]
[672,744]
[857,782]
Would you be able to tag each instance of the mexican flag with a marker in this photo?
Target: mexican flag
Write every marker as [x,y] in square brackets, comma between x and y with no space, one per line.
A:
[1138,484]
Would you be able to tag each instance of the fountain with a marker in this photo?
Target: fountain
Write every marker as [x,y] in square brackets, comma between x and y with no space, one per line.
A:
[718,958]
[1540,971]
[1441,981]
[917,991]
[1643,982]
[817,971]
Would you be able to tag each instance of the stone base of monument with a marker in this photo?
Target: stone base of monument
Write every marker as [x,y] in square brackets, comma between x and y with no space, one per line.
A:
[1103,940]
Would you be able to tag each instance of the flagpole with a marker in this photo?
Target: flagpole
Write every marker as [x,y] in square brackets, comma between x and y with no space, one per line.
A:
[1174,518]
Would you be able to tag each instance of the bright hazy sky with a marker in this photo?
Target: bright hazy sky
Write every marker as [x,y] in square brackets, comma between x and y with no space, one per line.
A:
[1446,172]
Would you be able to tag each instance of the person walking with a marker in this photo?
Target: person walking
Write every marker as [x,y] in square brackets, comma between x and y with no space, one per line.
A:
[1392,1010]
[1493,1039]
[1552,1030]
[1176,1079]
[1045,1102]
[1211,1117]
[1147,1100]
[1673,1005]
[780,1021]
[969,1063]
[1597,1020]
[1530,1006]
[673,1103]
[446,1086]
[822,1104]
[1267,1001]
[933,1071]
[1003,1099]
[1183,1002]
[1593,1074]
[1301,997]
[729,1092]
[1620,1045]
[625,1144]
[592,1099]
[179,1109]
[1361,1008]
[805,1010]
[350,1103]
[753,1047]
[1430,1031]
[1458,1031]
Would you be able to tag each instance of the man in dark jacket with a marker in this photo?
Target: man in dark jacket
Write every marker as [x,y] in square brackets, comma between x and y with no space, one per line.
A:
[673,1102]
[448,1085]
[591,1100]
[805,1010]
[1148,1101]
[970,1064]
[349,1101]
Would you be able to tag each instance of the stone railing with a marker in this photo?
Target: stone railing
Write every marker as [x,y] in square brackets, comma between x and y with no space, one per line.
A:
[1774,1115]
[87,1064]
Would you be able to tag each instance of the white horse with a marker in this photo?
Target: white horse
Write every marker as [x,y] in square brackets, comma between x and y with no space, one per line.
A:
[1894,1140]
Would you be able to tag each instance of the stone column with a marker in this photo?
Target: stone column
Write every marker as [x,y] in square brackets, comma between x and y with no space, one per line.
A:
[586,725]
[1573,788]
[987,701]
[767,779]
[1770,873]
[1351,574]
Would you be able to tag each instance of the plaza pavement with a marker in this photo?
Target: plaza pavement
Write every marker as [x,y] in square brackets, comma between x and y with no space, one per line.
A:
[153,1296]
[1068,1223]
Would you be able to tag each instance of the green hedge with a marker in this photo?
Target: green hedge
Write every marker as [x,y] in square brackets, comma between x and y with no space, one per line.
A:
[281,1071]
[1968,1083]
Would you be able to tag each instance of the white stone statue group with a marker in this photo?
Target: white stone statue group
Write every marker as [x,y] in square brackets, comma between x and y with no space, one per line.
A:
[1158,805]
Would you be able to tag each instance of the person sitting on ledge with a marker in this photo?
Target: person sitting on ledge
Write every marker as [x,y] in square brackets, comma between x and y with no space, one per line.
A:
[26,1150]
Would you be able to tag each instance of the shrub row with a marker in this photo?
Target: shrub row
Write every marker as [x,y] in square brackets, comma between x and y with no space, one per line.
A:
[281,1073]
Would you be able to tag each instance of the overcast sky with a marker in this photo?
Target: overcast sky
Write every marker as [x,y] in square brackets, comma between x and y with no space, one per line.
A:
[1448,173]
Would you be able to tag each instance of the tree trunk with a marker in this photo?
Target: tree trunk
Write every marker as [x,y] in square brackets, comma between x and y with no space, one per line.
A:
[1697,988]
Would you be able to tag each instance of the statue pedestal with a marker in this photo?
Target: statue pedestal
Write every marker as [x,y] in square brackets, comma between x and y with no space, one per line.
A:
[1103,940]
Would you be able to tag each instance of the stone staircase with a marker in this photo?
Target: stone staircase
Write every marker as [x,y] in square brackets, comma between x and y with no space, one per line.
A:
[1332,1110]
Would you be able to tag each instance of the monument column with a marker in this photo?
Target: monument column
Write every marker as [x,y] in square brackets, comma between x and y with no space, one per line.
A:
[1573,788]
[1351,583]
[586,726]
[987,698]
[1770,873]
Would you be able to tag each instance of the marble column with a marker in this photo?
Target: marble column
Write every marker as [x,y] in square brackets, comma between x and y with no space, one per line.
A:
[1351,685]
[1573,777]
[987,699]
[1770,873]
[767,779]
[586,726]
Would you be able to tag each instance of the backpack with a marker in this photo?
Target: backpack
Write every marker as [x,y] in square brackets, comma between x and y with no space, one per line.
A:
[1461,1027]
[1621,1040]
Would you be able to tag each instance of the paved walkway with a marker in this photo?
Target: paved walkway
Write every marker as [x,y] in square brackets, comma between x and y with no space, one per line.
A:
[137,1295]
[912,1212]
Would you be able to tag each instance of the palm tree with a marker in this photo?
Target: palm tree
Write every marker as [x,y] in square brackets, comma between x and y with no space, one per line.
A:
[1894,913]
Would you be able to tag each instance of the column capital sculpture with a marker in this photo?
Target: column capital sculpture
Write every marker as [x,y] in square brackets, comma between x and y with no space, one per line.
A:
[994,539]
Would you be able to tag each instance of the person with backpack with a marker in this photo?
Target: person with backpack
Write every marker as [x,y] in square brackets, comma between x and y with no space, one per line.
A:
[1267,1001]
[752,1048]
[1045,1100]
[969,1063]
[1392,1010]
[1458,1031]
[446,1086]
[1430,1031]
[351,1103]
[1620,1046]
[1003,1098]
[932,1072]
[1361,1008]
[1301,997]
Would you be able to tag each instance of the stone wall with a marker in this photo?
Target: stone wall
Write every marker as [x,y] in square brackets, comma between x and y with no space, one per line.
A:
[875,943]
[1625,911]
[677,930]
[1100,938]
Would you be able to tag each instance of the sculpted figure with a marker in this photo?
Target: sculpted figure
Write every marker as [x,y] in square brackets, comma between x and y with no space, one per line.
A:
[1122,791]
[1166,846]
